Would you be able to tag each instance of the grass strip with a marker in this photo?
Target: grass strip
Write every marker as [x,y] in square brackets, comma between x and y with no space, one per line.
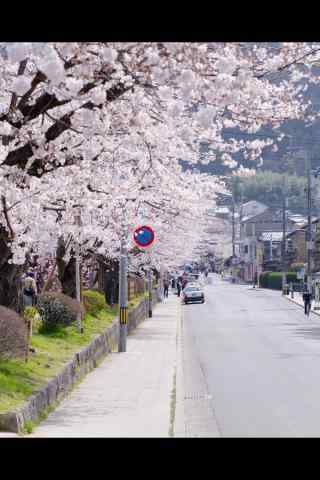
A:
[18,380]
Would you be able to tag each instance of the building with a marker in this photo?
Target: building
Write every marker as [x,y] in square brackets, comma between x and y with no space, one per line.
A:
[222,212]
[296,247]
[271,251]
[251,208]
[251,229]
[260,240]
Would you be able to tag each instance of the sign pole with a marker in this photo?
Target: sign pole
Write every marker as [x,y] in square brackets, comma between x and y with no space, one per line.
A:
[123,310]
[150,290]
[143,237]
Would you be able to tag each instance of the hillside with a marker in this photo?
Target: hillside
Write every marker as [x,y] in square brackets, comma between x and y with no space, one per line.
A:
[299,142]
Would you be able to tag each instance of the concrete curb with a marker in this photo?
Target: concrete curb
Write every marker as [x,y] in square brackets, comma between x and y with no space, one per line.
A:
[179,429]
[302,306]
[82,362]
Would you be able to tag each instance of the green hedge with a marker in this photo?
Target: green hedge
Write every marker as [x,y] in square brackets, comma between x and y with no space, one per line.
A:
[93,301]
[55,309]
[263,279]
[273,280]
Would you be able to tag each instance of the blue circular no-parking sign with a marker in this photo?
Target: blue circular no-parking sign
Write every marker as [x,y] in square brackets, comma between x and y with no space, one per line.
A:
[143,236]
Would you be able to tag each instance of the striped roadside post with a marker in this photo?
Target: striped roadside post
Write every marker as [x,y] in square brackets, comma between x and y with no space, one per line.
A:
[123,309]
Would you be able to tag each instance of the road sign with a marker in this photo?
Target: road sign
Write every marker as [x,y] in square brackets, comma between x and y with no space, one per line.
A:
[300,274]
[143,236]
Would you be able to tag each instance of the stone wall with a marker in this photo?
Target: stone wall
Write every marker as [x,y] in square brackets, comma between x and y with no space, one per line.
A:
[82,363]
[140,312]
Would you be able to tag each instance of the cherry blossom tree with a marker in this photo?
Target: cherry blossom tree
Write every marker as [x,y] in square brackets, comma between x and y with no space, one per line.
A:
[95,126]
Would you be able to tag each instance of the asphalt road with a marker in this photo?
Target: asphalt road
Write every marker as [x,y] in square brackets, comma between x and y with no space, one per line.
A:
[251,365]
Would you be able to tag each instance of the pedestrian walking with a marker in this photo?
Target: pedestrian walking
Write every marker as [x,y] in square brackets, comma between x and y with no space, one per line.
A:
[29,289]
[110,286]
[166,288]
[307,299]
[173,283]
[178,287]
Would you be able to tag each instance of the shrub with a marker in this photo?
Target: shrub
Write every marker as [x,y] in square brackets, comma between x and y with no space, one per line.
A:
[274,279]
[32,314]
[58,309]
[292,277]
[93,301]
[13,334]
[263,279]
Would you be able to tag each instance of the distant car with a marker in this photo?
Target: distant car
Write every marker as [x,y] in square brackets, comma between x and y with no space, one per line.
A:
[193,277]
[193,284]
[192,293]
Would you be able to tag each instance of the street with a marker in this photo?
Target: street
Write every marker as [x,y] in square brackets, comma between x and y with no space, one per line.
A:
[130,171]
[251,363]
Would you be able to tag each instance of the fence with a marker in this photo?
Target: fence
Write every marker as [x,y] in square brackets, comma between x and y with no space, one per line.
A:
[136,285]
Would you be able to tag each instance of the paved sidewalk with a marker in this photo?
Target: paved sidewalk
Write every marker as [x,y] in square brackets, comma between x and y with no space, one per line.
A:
[299,301]
[9,435]
[129,394]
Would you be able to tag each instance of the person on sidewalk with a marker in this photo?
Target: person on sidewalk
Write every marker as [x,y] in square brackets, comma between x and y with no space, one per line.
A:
[178,287]
[110,286]
[29,289]
[184,281]
[166,288]
[307,299]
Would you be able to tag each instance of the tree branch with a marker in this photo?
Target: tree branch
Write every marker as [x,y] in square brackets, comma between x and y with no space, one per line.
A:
[5,212]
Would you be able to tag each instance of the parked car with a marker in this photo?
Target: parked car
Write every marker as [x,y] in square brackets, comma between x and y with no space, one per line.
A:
[193,284]
[192,293]
[193,277]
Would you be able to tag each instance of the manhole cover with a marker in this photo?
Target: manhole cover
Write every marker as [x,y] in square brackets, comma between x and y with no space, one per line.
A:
[197,396]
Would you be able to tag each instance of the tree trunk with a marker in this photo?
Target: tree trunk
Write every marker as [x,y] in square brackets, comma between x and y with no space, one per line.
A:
[66,270]
[9,274]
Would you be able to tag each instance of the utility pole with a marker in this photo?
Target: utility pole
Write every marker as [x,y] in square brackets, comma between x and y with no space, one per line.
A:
[123,310]
[235,194]
[233,229]
[150,291]
[309,233]
[284,241]
[78,278]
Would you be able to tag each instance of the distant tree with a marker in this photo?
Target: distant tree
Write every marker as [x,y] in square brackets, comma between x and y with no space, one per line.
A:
[267,187]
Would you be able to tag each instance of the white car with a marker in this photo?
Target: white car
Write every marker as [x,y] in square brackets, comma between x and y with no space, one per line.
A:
[192,293]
